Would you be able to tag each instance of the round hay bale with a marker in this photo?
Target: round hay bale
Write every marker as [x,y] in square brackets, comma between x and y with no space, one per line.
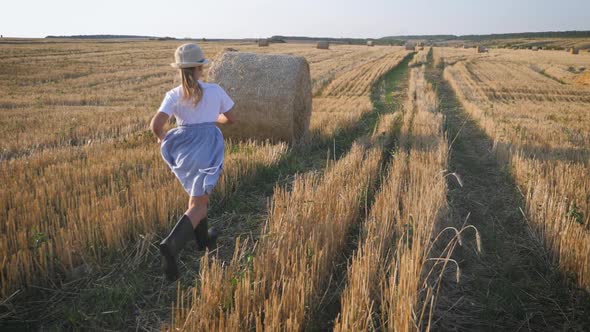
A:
[370,43]
[272,93]
[323,45]
[262,42]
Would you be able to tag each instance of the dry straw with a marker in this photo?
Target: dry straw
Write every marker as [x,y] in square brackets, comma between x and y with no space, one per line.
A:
[384,281]
[323,45]
[549,163]
[307,229]
[272,94]
[89,205]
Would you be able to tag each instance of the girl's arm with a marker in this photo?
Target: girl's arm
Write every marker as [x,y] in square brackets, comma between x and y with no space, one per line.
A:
[158,122]
[226,118]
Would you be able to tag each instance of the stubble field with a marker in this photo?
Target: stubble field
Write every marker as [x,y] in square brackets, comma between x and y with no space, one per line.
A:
[354,228]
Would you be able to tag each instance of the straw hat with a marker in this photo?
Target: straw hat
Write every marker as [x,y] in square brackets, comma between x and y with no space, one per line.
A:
[189,55]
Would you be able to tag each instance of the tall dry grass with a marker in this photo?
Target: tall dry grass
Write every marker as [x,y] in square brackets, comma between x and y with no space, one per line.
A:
[347,98]
[540,127]
[279,285]
[385,277]
[94,201]
[82,175]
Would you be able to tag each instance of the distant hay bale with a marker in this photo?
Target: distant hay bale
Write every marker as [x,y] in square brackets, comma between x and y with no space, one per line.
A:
[272,94]
[230,49]
[480,49]
[370,43]
[262,42]
[410,47]
[535,48]
[574,50]
[323,45]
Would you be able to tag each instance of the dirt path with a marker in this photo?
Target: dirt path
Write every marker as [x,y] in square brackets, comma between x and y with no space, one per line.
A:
[510,286]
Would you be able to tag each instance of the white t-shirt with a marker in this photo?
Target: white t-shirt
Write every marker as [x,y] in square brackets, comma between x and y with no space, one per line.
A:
[214,102]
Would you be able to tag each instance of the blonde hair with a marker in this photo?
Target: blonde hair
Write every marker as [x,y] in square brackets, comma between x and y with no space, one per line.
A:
[191,90]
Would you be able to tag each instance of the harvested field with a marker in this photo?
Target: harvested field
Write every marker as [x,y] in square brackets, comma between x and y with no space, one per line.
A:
[384,281]
[540,129]
[362,225]
[513,120]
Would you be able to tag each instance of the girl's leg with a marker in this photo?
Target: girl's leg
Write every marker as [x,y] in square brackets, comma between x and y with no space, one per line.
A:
[197,209]
[182,232]
[197,212]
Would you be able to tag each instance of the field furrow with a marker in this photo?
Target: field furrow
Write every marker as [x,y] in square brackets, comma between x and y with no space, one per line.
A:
[384,284]
[279,285]
[374,221]
[514,276]
[545,142]
[81,162]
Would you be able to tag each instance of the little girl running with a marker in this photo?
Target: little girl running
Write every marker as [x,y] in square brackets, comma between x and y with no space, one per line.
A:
[193,150]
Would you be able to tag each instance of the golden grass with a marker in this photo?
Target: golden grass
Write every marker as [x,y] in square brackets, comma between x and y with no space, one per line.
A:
[540,125]
[359,80]
[280,281]
[82,175]
[279,285]
[347,98]
[384,279]
[95,200]
[584,78]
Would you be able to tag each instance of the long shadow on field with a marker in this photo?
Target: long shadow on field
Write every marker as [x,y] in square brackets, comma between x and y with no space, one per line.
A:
[511,286]
[129,291]
[577,155]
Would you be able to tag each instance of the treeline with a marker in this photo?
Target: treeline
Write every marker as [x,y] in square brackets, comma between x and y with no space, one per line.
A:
[104,37]
[547,34]
[350,41]
[389,40]
[112,37]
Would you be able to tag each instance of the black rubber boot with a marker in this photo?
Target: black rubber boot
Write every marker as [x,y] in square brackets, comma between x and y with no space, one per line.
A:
[173,244]
[205,237]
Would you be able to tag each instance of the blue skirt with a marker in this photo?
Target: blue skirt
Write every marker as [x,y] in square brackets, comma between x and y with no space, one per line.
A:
[194,153]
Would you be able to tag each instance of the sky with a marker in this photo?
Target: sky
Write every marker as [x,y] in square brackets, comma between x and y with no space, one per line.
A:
[264,18]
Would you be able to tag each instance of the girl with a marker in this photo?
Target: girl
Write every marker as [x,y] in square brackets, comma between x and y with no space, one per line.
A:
[193,150]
